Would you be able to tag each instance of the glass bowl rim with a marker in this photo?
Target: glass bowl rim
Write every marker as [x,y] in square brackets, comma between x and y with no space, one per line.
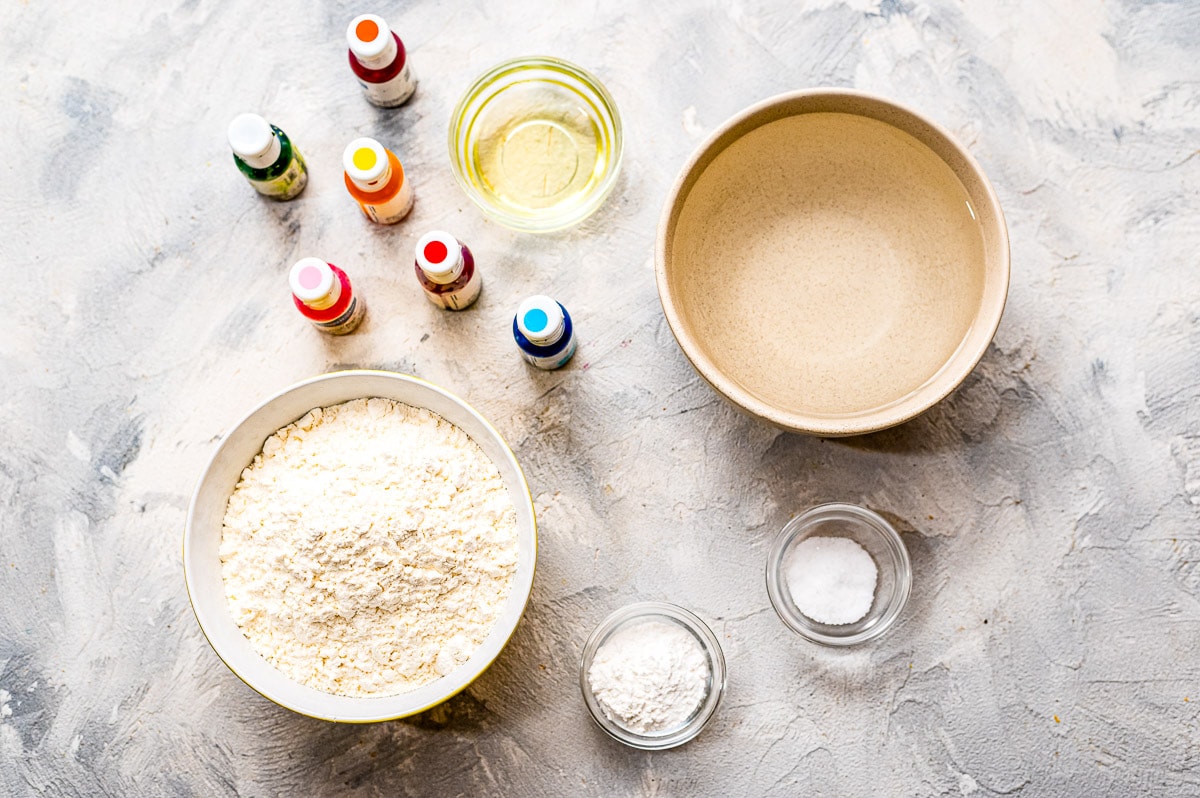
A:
[608,112]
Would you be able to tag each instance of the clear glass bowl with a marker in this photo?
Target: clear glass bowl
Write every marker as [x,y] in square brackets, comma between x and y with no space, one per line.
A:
[874,534]
[536,143]
[666,613]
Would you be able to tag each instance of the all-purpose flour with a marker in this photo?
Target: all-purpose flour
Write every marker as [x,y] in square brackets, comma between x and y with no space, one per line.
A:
[650,676]
[369,548]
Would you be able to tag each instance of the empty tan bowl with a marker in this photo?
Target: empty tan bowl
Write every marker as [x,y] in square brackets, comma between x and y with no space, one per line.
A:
[832,262]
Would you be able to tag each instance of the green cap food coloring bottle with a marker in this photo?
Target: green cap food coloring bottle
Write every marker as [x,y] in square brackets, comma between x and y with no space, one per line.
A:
[265,156]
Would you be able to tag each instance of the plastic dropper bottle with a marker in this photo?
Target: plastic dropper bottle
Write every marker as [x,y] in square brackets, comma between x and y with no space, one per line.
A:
[379,61]
[446,270]
[323,295]
[376,180]
[544,332]
[266,157]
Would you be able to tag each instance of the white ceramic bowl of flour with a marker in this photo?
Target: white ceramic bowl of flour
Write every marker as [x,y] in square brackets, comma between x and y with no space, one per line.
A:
[202,538]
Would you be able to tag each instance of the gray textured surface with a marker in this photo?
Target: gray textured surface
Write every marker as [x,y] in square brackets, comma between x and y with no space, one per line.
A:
[1051,504]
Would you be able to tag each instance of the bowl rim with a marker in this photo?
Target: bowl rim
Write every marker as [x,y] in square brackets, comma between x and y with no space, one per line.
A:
[384,711]
[787,537]
[903,409]
[581,211]
[640,610]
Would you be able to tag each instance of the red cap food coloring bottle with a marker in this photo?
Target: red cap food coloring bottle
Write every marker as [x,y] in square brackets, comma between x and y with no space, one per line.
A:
[379,61]
[446,270]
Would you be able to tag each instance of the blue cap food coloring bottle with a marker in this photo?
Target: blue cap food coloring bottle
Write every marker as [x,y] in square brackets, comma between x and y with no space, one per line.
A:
[544,332]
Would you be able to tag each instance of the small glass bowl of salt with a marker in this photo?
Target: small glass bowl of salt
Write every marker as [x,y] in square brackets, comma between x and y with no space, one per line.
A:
[839,574]
[652,675]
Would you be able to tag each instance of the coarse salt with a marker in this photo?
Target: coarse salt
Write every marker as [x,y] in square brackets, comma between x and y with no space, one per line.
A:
[831,580]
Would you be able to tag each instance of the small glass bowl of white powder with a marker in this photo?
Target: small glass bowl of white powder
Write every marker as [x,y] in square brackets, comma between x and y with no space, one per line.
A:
[839,574]
[652,675]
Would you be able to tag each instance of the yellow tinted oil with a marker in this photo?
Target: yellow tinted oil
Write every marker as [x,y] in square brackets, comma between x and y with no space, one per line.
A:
[536,147]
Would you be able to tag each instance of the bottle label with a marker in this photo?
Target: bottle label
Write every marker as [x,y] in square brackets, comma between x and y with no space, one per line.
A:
[347,322]
[462,298]
[288,184]
[392,92]
[394,209]
[552,362]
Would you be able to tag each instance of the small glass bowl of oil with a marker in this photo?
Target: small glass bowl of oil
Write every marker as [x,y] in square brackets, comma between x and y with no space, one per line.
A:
[536,143]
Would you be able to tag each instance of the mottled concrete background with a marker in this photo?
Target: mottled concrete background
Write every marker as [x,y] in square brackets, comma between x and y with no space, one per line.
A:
[1051,645]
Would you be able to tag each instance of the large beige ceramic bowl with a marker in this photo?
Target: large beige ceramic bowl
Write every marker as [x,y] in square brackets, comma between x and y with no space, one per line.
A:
[202,539]
[832,262]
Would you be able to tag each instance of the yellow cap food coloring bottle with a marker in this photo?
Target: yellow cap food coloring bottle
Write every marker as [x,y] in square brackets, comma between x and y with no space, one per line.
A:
[376,180]
[379,61]
[266,157]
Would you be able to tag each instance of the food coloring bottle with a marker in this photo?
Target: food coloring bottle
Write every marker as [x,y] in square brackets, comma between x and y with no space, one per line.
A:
[379,61]
[323,295]
[267,158]
[446,270]
[375,178]
[544,332]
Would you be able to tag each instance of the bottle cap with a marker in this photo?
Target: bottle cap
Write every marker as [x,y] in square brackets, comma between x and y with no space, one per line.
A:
[311,280]
[368,36]
[365,162]
[253,141]
[440,256]
[540,319]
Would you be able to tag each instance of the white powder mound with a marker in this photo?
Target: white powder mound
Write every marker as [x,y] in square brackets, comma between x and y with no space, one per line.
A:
[649,677]
[369,548]
[832,580]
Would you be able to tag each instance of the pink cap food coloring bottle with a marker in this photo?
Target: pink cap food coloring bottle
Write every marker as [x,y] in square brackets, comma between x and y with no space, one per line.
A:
[323,295]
